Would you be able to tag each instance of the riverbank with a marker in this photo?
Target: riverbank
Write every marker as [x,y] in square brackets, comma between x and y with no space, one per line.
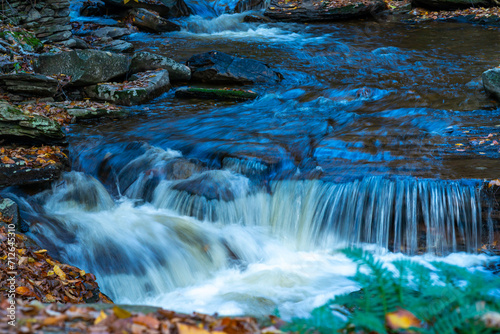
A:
[252,125]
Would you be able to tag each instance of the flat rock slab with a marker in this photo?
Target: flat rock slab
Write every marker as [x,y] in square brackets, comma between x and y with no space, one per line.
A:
[166,8]
[17,127]
[491,82]
[215,94]
[146,61]
[119,46]
[86,67]
[29,84]
[143,87]
[152,22]
[220,68]
[315,10]
[112,32]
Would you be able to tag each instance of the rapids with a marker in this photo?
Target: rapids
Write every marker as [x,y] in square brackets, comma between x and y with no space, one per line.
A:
[285,181]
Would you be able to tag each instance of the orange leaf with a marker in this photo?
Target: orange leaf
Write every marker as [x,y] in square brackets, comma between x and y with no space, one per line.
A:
[401,319]
[24,291]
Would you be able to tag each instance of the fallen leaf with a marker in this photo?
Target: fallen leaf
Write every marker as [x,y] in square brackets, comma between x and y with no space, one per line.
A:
[401,319]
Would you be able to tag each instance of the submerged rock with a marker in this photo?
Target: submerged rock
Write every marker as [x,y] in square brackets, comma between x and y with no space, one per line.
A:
[86,67]
[166,8]
[145,61]
[315,10]
[29,84]
[15,126]
[152,22]
[491,82]
[220,68]
[215,94]
[143,87]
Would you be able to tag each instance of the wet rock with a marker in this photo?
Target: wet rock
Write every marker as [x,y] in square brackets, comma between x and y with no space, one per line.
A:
[9,211]
[215,94]
[119,46]
[214,185]
[181,169]
[316,10]
[152,22]
[451,4]
[19,175]
[256,18]
[112,32]
[86,67]
[220,68]
[143,87]
[246,5]
[76,43]
[93,8]
[15,126]
[29,84]
[166,8]
[145,61]
[491,82]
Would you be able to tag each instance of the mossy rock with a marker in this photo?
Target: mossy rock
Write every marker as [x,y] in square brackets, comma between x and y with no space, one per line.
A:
[491,82]
[215,94]
[15,126]
[26,39]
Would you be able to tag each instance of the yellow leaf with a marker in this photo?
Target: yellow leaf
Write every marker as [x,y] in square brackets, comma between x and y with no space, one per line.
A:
[50,273]
[494,183]
[187,329]
[40,251]
[401,319]
[100,318]
[121,313]
[125,1]
[459,144]
[82,272]
[59,272]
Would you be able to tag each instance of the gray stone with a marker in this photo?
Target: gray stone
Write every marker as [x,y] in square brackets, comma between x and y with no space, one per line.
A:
[113,32]
[119,46]
[15,126]
[145,61]
[220,68]
[33,15]
[29,84]
[491,82]
[76,43]
[86,67]
[143,87]
[152,22]
[58,37]
[9,213]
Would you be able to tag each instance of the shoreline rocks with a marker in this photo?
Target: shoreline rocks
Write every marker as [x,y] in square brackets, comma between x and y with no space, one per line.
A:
[29,84]
[315,10]
[146,61]
[85,67]
[142,87]
[152,22]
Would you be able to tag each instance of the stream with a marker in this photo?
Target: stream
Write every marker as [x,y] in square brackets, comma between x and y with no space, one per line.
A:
[359,145]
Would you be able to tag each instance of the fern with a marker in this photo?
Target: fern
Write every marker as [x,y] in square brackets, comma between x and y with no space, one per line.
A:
[445,299]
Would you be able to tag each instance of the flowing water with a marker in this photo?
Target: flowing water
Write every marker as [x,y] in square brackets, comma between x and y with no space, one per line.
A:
[357,146]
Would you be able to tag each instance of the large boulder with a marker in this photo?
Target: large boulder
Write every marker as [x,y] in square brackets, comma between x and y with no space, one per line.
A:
[220,68]
[317,10]
[152,22]
[15,126]
[86,67]
[29,84]
[451,4]
[146,61]
[166,8]
[143,87]
[491,82]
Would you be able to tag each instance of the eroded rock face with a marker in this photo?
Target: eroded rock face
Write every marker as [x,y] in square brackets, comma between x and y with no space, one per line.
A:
[491,82]
[452,4]
[86,67]
[29,84]
[146,61]
[142,87]
[220,68]
[166,8]
[152,22]
[315,10]
[18,127]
